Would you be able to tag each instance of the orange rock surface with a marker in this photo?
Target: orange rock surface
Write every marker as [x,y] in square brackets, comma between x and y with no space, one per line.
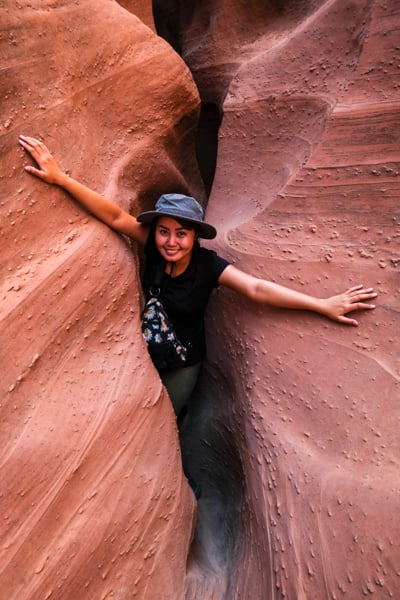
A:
[93,499]
[293,429]
[306,192]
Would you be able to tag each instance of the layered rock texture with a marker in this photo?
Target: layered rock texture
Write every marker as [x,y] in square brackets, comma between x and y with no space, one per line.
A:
[293,428]
[94,503]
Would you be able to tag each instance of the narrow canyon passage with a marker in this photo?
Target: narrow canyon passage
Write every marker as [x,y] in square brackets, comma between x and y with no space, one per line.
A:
[209,446]
[303,97]
[293,429]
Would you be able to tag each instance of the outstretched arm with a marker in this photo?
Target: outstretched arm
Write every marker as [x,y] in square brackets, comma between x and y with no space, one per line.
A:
[105,210]
[267,292]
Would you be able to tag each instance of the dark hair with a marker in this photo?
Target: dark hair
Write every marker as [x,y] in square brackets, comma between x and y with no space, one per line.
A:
[188,225]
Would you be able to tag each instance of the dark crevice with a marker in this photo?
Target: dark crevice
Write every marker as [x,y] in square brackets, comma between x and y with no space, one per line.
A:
[167,19]
[166,15]
[207,143]
[208,446]
[209,449]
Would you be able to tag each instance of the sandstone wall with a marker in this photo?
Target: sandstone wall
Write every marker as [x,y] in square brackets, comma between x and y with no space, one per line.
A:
[93,500]
[293,432]
[306,192]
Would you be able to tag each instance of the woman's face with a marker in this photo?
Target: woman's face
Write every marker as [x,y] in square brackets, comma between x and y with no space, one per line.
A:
[174,241]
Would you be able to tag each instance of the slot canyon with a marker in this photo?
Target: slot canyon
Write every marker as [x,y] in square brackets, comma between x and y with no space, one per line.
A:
[282,117]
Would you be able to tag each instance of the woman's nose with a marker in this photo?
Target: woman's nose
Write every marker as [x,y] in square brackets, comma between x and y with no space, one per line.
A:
[171,239]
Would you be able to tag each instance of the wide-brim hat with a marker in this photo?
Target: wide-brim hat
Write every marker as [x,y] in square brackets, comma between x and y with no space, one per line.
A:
[181,207]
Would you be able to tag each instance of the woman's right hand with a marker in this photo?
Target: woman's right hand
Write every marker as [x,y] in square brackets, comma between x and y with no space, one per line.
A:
[48,170]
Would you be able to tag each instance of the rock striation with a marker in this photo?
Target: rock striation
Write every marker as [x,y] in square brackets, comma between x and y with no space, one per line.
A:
[93,500]
[305,193]
[293,429]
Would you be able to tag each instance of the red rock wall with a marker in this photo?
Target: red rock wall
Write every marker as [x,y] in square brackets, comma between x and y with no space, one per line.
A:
[301,502]
[93,500]
[307,193]
[140,8]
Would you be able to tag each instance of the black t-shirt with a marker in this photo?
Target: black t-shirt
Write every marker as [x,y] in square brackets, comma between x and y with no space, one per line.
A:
[185,297]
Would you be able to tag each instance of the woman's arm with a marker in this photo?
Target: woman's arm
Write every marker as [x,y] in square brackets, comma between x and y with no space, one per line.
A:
[267,292]
[105,210]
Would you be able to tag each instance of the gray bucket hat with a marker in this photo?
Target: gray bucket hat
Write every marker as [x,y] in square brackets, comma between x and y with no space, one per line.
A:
[182,207]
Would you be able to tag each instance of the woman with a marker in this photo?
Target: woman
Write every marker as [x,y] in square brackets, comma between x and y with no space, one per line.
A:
[170,236]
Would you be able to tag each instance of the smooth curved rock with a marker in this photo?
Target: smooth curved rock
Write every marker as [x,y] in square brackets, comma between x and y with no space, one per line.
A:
[93,500]
[294,425]
[142,9]
[304,412]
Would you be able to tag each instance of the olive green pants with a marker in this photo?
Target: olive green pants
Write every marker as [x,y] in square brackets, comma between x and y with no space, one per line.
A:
[180,384]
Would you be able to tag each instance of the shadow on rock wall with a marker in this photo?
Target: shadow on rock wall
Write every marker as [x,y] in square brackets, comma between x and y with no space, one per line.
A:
[93,500]
[293,431]
[305,193]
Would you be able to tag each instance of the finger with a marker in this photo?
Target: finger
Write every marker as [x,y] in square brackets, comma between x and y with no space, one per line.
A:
[24,143]
[33,145]
[347,321]
[30,147]
[354,292]
[355,288]
[354,307]
[28,141]
[34,171]
[364,293]
[367,292]
[360,293]
[361,298]
[362,306]
[368,296]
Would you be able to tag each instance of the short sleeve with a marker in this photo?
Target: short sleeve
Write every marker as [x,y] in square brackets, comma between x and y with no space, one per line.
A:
[216,265]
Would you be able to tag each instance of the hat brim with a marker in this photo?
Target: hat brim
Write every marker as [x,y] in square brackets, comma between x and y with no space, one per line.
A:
[205,230]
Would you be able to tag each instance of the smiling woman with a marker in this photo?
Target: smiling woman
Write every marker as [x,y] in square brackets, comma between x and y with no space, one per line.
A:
[190,275]
[170,234]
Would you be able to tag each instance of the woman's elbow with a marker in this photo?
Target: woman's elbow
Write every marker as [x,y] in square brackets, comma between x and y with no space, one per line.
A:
[253,291]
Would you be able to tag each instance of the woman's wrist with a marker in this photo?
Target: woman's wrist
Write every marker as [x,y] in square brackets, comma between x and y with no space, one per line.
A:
[61,179]
[321,306]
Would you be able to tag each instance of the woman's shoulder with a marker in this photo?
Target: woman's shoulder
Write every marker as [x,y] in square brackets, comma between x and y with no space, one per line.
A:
[207,253]
[211,262]
[211,255]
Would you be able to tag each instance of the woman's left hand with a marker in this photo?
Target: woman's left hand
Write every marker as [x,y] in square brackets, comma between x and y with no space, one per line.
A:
[337,307]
